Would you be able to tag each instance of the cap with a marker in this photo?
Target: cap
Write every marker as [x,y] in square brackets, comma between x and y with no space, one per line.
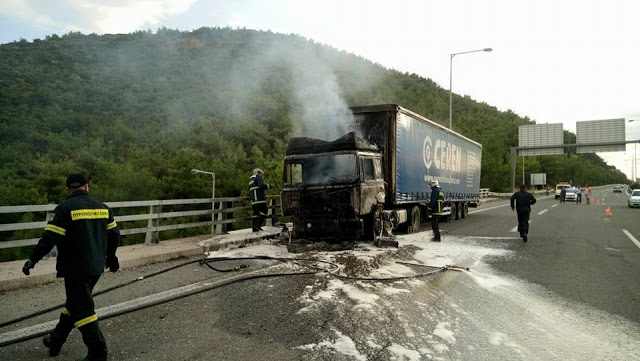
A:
[76,180]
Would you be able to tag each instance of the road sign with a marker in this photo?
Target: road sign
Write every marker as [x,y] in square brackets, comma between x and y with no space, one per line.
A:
[540,135]
[538,179]
[601,131]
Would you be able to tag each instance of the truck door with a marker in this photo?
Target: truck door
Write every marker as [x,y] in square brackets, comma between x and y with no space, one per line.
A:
[371,185]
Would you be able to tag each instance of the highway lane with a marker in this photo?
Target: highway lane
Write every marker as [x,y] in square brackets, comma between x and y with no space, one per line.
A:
[576,256]
[574,250]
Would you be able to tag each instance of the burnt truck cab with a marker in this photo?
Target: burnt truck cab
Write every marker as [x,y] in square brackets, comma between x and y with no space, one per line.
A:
[332,189]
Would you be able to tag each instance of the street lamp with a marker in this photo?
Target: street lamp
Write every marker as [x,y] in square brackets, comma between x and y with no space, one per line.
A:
[213,194]
[451,80]
[634,165]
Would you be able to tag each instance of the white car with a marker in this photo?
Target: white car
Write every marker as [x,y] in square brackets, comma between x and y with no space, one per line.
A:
[570,196]
[634,198]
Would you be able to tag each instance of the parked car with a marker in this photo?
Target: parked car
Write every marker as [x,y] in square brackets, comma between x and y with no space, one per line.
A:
[634,198]
[570,196]
[617,189]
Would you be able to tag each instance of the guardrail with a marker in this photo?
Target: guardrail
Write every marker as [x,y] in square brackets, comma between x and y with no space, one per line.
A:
[485,192]
[221,211]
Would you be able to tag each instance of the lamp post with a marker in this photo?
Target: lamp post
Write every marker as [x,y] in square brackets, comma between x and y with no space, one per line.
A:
[634,165]
[213,194]
[451,80]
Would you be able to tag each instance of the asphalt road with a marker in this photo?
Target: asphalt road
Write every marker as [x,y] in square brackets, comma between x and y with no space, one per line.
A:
[574,250]
[571,292]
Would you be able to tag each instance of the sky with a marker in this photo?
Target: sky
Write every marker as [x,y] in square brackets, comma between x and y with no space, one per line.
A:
[552,61]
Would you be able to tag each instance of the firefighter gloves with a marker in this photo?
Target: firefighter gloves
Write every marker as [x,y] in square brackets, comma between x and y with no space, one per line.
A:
[27,266]
[112,264]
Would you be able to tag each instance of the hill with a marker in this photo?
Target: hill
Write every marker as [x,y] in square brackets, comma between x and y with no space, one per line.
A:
[138,111]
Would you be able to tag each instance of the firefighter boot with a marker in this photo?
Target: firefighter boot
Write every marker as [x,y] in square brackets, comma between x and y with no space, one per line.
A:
[94,341]
[58,336]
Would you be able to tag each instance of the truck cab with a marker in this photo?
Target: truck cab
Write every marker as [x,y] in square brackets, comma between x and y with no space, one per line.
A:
[333,190]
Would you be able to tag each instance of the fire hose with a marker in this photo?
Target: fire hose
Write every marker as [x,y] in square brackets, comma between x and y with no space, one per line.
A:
[311,263]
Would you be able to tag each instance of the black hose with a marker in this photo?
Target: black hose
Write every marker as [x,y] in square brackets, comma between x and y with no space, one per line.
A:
[159,302]
[59,306]
[206,262]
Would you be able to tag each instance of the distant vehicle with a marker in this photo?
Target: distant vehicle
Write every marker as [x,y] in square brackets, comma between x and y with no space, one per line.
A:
[560,187]
[570,196]
[634,198]
[617,189]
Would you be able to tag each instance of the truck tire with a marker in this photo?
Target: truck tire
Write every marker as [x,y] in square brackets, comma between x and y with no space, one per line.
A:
[452,212]
[414,220]
[372,225]
[459,206]
[465,209]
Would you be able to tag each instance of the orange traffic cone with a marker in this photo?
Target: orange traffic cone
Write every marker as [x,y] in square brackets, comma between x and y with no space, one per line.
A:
[607,213]
[598,202]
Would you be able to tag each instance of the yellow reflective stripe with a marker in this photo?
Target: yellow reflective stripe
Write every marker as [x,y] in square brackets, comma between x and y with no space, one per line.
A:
[112,225]
[65,311]
[55,229]
[253,188]
[86,320]
[255,194]
[262,213]
[89,214]
[257,202]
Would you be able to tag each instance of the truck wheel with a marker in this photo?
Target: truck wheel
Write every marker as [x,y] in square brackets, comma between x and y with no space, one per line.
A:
[372,225]
[452,212]
[465,209]
[414,220]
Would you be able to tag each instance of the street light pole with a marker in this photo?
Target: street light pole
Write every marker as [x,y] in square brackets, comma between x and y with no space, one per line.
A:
[451,81]
[634,164]
[213,195]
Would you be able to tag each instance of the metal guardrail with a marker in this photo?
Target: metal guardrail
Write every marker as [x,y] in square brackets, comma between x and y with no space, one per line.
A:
[484,192]
[221,216]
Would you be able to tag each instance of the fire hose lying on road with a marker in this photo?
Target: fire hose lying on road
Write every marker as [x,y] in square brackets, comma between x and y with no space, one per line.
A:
[42,329]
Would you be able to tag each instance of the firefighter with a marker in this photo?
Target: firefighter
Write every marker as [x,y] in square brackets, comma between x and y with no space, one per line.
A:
[257,188]
[437,202]
[521,203]
[87,236]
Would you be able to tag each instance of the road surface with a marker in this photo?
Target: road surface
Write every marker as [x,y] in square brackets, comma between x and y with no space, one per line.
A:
[570,293]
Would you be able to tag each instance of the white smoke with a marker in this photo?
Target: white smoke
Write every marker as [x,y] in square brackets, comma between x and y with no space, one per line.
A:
[318,108]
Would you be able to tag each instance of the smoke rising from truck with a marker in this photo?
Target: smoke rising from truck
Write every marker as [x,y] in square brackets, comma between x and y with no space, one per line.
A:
[317,106]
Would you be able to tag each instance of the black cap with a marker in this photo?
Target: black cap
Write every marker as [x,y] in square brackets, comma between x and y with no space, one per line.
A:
[76,180]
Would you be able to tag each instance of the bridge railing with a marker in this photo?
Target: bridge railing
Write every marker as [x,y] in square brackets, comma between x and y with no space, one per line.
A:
[222,214]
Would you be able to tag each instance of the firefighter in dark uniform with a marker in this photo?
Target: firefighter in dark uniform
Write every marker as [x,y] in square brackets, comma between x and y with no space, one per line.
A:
[521,203]
[436,204]
[258,198]
[87,236]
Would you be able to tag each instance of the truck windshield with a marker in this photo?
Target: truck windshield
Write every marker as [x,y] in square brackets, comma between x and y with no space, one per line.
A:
[322,170]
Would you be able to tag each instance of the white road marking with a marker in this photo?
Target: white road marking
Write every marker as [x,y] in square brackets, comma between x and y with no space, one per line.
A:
[555,205]
[543,211]
[515,229]
[631,237]
[486,209]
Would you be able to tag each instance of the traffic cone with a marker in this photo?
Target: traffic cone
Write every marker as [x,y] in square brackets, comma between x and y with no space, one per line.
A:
[607,213]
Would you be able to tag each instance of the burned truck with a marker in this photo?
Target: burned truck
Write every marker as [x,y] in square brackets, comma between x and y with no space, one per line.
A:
[380,170]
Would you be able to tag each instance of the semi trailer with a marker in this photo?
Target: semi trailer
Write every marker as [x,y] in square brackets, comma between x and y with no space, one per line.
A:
[380,170]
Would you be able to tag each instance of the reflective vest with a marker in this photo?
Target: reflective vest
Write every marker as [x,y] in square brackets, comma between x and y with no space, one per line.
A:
[256,190]
[437,201]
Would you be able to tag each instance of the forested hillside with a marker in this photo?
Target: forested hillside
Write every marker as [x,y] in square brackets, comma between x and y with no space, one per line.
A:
[136,112]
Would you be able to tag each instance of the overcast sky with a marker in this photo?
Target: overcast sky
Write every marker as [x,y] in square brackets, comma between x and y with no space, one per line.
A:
[553,61]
